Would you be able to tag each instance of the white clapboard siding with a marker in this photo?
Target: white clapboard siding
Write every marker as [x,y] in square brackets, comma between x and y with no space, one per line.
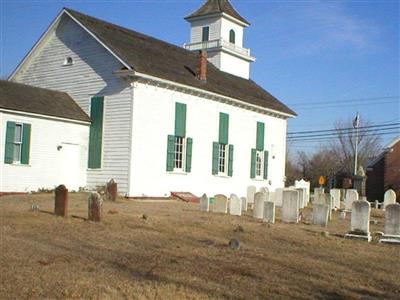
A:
[91,74]
[48,165]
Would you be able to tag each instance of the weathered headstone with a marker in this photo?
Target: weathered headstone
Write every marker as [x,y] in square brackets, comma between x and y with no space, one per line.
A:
[351,196]
[111,191]
[61,201]
[329,202]
[320,214]
[235,205]
[360,215]
[290,206]
[204,203]
[389,198]
[302,197]
[95,212]
[278,197]
[244,203]
[271,197]
[319,195]
[264,190]
[259,200]
[304,184]
[335,193]
[269,212]
[392,224]
[221,204]
[251,190]
[342,215]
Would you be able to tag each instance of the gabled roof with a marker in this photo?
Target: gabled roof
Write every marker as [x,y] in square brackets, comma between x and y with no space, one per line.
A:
[160,59]
[217,6]
[25,98]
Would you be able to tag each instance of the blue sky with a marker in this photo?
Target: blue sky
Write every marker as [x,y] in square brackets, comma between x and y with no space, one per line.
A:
[307,52]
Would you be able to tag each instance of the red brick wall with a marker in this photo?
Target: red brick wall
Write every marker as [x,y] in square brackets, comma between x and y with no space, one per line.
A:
[375,180]
[392,170]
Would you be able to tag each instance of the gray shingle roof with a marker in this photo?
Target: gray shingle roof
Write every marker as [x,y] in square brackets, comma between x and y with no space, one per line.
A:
[26,98]
[160,59]
[215,7]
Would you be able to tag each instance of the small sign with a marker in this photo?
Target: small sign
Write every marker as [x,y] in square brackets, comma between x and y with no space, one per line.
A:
[321,180]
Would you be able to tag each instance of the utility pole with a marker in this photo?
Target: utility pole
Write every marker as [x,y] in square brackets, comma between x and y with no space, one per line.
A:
[356,123]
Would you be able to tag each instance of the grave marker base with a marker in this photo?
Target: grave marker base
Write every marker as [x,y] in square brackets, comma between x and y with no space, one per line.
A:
[358,236]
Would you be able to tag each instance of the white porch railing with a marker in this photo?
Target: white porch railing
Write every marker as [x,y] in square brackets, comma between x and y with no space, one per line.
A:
[215,44]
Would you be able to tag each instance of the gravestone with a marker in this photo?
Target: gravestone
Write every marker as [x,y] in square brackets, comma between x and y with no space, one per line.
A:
[251,190]
[335,193]
[244,203]
[259,200]
[95,212]
[302,197]
[342,215]
[351,196]
[264,190]
[318,195]
[392,224]
[389,198]
[271,197]
[290,206]
[278,197]
[61,201]
[320,214]
[221,204]
[269,212]
[329,202]
[235,205]
[111,191]
[304,184]
[204,203]
[360,215]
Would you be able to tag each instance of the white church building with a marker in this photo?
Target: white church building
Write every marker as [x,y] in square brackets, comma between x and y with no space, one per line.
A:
[163,118]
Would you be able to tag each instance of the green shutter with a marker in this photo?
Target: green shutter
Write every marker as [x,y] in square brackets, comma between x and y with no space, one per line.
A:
[9,149]
[96,132]
[265,164]
[223,128]
[26,143]
[189,145]
[180,119]
[260,136]
[215,158]
[253,164]
[170,153]
[230,161]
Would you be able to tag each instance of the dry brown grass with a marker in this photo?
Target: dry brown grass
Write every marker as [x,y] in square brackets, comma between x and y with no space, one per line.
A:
[181,253]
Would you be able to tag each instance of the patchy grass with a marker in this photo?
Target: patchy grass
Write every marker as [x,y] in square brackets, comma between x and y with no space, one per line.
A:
[181,253]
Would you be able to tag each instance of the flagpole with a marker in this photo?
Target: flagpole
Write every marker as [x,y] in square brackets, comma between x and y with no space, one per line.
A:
[356,154]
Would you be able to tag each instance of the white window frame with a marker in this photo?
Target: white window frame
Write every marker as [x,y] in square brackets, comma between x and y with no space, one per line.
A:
[68,61]
[259,164]
[182,167]
[15,143]
[223,168]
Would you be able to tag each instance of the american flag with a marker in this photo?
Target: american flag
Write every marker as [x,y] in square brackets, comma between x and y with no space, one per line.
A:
[356,121]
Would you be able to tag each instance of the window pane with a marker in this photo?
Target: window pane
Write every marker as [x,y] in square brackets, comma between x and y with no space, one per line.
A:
[178,163]
[17,152]
[18,133]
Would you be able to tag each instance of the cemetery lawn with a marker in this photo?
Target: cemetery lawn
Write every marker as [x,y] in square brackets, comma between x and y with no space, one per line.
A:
[178,252]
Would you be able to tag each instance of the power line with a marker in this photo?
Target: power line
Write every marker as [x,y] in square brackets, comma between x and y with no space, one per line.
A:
[320,139]
[343,129]
[347,105]
[345,101]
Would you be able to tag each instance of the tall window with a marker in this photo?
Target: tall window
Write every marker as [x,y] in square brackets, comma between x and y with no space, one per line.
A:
[222,161]
[205,34]
[259,156]
[17,143]
[179,153]
[259,164]
[232,37]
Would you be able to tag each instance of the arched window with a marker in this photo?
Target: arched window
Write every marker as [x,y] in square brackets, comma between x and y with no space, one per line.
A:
[68,61]
[232,37]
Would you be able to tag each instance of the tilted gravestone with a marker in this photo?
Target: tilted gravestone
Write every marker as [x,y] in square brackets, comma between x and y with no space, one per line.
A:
[235,205]
[251,190]
[221,204]
[244,203]
[278,197]
[392,224]
[360,217]
[95,211]
[335,193]
[61,201]
[111,191]
[269,212]
[290,206]
[351,196]
[259,199]
[204,203]
[320,214]
[389,198]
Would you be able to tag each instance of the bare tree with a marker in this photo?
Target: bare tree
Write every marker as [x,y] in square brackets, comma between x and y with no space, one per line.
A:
[344,145]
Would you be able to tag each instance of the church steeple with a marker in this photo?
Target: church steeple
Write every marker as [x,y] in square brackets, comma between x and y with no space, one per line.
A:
[218,28]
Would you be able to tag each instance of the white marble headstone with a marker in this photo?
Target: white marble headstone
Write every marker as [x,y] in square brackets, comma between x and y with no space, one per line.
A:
[360,214]
[389,198]
[304,184]
[320,214]
[269,212]
[351,196]
[221,204]
[335,193]
[235,205]
[302,197]
[319,195]
[204,203]
[259,199]
[392,220]
[244,203]
[251,190]
[290,206]
[278,197]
